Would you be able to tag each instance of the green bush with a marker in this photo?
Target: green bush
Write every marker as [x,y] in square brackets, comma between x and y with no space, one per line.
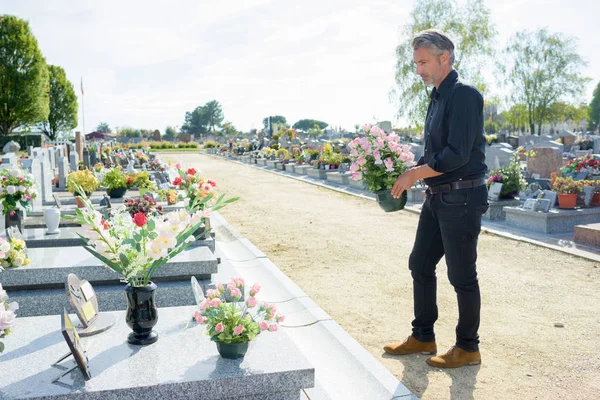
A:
[114,179]
[194,145]
[210,144]
[23,140]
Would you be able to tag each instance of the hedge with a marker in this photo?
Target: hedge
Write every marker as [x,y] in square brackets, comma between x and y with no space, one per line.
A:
[23,140]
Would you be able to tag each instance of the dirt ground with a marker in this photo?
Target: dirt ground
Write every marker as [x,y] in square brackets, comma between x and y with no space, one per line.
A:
[352,259]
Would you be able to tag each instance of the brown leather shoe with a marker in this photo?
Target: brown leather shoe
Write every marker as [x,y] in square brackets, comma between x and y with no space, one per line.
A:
[454,358]
[410,346]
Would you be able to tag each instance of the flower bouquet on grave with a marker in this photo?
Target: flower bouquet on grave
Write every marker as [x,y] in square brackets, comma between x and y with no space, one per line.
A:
[379,159]
[17,190]
[13,253]
[7,315]
[231,325]
[135,248]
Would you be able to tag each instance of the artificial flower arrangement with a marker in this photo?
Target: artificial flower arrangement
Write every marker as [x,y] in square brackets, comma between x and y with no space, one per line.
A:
[510,176]
[268,153]
[586,163]
[585,143]
[157,165]
[16,190]
[85,179]
[239,320]
[7,315]
[13,253]
[199,190]
[567,186]
[135,247]
[379,159]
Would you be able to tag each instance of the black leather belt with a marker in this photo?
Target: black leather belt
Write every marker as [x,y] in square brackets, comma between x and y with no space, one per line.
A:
[448,187]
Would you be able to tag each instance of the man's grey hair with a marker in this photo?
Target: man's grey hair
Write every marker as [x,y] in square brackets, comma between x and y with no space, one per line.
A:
[437,42]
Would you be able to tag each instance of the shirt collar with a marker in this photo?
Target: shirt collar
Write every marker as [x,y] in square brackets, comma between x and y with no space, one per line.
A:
[436,93]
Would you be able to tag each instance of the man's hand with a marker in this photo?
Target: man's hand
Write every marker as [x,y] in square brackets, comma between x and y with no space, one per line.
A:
[403,183]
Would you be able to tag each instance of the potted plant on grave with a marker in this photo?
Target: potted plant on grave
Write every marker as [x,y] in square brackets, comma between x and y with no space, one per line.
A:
[7,315]
[568,190]
[584,143]
[135,248]
[379,159]
[16,194]
[509,176]
[115,183]
[86,180]
[232,325]
[283,155]
[587,163]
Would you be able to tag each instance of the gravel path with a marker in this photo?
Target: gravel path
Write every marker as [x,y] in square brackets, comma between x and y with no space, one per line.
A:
[540,321]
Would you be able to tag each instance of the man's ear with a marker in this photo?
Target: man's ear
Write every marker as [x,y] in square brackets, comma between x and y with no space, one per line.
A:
[445,57]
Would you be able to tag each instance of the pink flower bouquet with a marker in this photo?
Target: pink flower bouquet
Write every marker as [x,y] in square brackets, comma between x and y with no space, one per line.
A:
[238,321]
[379,159]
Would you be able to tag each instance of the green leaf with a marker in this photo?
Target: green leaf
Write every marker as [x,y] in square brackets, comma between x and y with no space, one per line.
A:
[137,237]
[152,235]
[124,260]
[151,225]
[1,347]
[144,233]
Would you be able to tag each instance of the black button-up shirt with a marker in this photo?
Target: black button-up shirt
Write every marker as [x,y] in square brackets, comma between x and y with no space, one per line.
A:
[454,139]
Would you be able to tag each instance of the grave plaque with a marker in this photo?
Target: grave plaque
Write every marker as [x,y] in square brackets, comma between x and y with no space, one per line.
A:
[544,205]
[494,192]
[551,196]
[531,205]
[75,345]
[580,176]
[57,200]
[197,289]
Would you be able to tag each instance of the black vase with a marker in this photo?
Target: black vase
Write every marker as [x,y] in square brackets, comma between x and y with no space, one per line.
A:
[388,203]
[141,315]
[116,193]
[16,219]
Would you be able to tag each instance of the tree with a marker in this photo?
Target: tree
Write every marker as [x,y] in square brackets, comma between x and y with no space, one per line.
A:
[516,117]
[63,104]
[275,119]
[130,132]
[24,82]
[103,127]
[170,132]
[545,69]
[229,129]
[306,124]
[214,114]
[472,33]
[594,110]
[195,122]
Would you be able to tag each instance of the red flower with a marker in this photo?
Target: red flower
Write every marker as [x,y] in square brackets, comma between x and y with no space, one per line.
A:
[104,224]
[140,219]
[191,171]
[177,181]
[212,183]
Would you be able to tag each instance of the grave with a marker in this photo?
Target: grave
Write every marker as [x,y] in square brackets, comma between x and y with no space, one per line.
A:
[301,169]
[11,147]
[9,160]
[319,173]
[74,161]
[272,163]
[496,210]
[190,365]
[339,178]
[63,172]
[415,194]
[497,156]
[554,221]
[588,234]
[33,167]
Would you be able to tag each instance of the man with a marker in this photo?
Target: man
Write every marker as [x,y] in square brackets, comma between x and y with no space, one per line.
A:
[453,167]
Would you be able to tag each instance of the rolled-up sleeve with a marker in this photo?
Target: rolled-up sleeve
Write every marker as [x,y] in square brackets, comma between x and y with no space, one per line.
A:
[465,117]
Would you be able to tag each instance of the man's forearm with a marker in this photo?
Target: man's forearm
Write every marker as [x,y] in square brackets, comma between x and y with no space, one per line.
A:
[423,172]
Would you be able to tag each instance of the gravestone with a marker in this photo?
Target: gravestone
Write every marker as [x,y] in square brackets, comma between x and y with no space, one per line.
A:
[86,158]
[11,147]
[417,150]
[47,177]
[52,157]
[494,192]
[73,161]
[544,205]
[9,160]
[34,168]
[79,145]
[546,161]
[29,151]
[528,140]
[551,196]
[530,205]
[63,172]
[497,156]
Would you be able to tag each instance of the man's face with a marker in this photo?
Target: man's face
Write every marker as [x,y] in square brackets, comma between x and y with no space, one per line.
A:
[429,66]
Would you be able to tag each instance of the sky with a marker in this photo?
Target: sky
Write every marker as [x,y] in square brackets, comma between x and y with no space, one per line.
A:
[145,63]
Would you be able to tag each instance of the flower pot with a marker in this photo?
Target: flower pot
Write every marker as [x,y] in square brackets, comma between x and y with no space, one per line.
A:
[567,200]
[116,193]
[141,315]
[388,203]
[232,351]
[52,220]
[14,218]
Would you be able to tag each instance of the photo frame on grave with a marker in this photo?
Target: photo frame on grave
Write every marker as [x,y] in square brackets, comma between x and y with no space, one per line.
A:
[107,200]
[13,233]
[530,205]
[494,191]
[551,196]
[75,346]
[544,205]
[57,200]
[83,299]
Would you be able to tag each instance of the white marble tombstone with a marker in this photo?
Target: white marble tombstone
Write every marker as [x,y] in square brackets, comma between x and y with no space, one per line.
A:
[63,172]
[34,167]
[74,160]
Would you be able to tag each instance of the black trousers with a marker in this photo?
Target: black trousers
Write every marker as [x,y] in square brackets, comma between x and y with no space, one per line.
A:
[449,226]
